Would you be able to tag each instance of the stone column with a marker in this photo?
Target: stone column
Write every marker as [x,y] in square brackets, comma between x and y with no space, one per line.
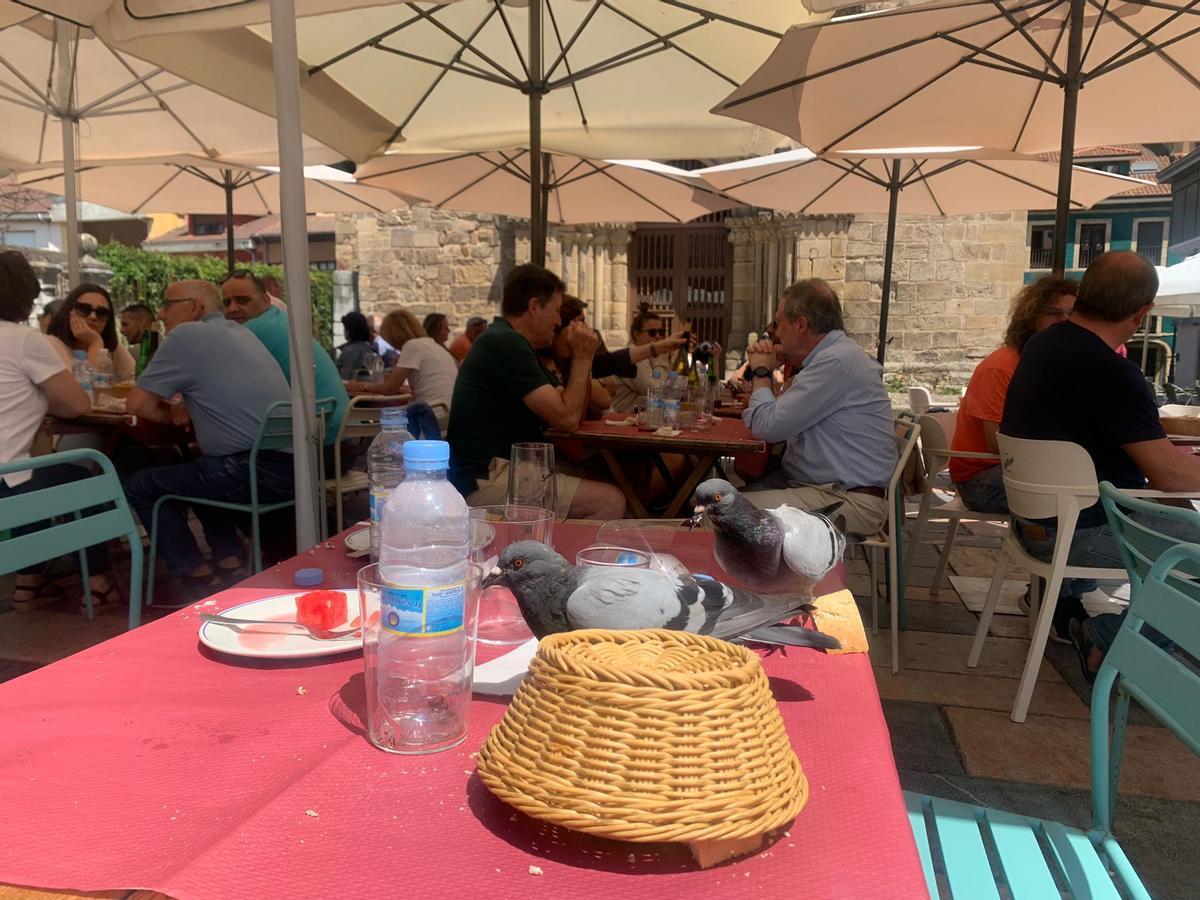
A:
[618,286]
[599,280]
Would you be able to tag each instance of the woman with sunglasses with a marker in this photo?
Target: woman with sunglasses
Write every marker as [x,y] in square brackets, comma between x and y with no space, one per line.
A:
[650,347]
[86,322]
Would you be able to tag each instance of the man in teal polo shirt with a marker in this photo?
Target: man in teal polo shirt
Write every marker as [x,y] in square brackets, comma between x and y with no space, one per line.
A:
[247,302]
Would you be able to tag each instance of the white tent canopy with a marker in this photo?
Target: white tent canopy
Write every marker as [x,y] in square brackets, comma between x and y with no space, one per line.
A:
[1178,289]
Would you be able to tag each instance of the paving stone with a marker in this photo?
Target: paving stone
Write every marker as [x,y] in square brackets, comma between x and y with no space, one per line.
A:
[49,634]
[12,668]
[934,615]
[921,739]
[939,652]
[1052,698]
[1053,750]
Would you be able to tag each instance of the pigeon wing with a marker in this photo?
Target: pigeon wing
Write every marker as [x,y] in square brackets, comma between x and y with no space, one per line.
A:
[624,599]
[812,545]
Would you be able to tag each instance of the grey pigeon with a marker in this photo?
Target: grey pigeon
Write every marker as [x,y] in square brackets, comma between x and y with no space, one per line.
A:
[556,596]
[771,550]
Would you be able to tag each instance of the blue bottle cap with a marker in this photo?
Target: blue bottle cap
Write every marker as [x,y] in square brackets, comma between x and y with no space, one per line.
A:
[308,577]
[426,455]
[81,354]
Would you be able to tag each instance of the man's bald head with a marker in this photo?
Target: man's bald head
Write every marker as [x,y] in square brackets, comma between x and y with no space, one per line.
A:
[1117,286]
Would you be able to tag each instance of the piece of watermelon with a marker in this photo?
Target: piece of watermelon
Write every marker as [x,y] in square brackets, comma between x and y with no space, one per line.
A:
[321,609]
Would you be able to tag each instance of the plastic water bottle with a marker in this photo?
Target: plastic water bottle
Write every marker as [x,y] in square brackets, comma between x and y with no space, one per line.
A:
[654,399]
[426,647]
[672,398]
[102,375]
[385,465]
[83,374]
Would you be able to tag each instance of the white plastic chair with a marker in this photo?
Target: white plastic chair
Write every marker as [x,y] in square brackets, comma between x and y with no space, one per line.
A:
[935,456]
[919,400]
[360,421]
[907,432]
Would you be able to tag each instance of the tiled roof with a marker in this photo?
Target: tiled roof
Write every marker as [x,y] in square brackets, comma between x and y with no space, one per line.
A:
[18,198]
[263,227]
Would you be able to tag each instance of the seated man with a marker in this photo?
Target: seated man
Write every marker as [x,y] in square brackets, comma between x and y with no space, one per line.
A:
[248,303]
[835,415]
[137,327]
[504,396]
[228,380]
[1069,385]
[462,344]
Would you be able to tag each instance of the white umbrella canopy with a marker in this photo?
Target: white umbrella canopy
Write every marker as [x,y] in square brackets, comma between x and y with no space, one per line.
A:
[1003,73]
[1178,288]
[577,190]
[929,181]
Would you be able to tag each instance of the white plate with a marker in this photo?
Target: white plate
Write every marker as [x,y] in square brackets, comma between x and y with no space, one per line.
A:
[297,645]
[359,541]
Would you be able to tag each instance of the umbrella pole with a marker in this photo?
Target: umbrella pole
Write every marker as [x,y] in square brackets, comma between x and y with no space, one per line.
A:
[294,233]
[537,221]
[889,251]
[230,261]
[64,34]
[1066,157]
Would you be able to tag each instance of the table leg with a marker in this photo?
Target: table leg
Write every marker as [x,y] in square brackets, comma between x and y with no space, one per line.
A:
[703,464]
[665,471]
[623,482]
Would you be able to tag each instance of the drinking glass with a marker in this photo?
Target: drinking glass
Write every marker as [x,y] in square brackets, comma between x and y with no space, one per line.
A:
[704,407]
[419,659]
[492,529]
[615,557]
[531,476]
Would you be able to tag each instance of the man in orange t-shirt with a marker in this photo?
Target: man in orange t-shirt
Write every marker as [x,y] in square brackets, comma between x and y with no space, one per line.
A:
[980,482]
[461,345]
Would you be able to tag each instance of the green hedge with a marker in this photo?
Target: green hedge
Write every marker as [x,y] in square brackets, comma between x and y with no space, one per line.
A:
[141,276]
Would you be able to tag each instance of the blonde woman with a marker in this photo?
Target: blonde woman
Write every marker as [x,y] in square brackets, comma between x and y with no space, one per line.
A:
[423,366]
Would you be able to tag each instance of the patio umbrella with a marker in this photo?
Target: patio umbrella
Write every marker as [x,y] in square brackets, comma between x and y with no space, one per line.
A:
[575,190]
[596,78]
[197,184]
[945,181]
[1001,73]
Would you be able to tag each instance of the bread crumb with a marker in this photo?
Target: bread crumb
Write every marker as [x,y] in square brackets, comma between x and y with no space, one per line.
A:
[535,870]
[301,691]
[311,812]
[631,858]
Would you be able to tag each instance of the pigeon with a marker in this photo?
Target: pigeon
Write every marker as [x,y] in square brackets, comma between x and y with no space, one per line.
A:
[773,550]
[556,596]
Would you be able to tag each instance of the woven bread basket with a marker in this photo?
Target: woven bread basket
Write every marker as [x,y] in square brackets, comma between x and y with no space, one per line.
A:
[646,736]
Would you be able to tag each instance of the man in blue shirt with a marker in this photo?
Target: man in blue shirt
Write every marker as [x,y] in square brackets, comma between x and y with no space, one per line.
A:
[247,303]
[227,380]
[835,416]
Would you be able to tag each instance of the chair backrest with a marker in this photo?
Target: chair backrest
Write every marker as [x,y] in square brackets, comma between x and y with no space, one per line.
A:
[275,433]
[1140,541]
[933,439]
[1040,475]
[1163,683]
[96,489]
[362,418]
[908,430]
[919,400]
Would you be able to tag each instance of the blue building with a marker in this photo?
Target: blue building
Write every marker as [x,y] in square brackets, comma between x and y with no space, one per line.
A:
[1138,220]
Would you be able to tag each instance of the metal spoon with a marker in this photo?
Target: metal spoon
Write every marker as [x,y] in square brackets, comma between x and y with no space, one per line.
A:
[320,634]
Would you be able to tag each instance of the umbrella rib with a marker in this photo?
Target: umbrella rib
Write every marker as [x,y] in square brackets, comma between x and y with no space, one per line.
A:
[438,80]
[635,191]
[633,54]
[788,168]
[496,167]
[674,46]
[150,94]
[563,51]
[1037,91]
[1157,49]
[21,99]
[202,174]
[1005,63]
[924,182]
[728,20]
[49,104]
[563,56]
[846,171]
[329,185]
[1092,37]
[858,168]
[45,98]
[1115,62]
[1049,192]
[499,7]
[999,4]
[158,190]
[100,101]
[450,67]
[466,44]
[162,104]
[358,48]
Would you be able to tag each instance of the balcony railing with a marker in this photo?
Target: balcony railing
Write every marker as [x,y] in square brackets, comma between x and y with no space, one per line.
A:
[1041,259]
[1151,252]
[1087,253]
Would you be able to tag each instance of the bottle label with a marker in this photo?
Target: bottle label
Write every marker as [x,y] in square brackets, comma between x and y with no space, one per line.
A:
[423,612]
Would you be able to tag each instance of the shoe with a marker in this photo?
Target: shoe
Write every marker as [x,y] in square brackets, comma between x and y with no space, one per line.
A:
[27,599]
[1083,647]
[1023,602]
[1069,609]
[186,590]
[102,600]
[230,577]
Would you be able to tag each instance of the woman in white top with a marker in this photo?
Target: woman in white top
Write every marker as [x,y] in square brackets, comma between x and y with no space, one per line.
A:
[86,321]
[424,365]
[646,330]
[34,381]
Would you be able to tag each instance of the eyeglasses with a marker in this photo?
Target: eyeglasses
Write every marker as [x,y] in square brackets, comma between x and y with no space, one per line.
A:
[86,310]
[655,332]
[165,303]
[1053,312]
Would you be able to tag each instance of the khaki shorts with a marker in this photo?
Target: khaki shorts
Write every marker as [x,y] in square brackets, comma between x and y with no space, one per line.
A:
[493,490]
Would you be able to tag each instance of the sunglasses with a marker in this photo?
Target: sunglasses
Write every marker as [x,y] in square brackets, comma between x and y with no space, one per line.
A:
[86,309]
[655,332]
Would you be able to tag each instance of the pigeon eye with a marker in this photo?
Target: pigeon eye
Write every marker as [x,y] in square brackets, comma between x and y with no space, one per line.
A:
[717,498]
[517,563]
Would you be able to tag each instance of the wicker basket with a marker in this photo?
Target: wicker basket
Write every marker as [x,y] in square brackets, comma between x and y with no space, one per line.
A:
[1184,425]
[646,736]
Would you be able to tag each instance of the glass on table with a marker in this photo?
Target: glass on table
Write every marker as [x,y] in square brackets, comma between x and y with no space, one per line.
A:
[419,661]
[493,528]
[614,557]
[531,479]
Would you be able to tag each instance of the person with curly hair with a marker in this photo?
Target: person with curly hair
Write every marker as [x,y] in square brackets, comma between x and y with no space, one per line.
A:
[1036,307]
[86,321]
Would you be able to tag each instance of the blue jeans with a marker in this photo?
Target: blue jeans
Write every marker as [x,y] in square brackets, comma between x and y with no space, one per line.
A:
[984,491]
[224,478]
[52,476]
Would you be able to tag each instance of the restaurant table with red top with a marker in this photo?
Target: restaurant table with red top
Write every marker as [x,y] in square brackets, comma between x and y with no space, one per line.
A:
[115,424]
[149,761]
[619,443]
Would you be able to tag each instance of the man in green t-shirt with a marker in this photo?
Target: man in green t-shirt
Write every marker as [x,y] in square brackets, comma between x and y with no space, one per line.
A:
[503,396]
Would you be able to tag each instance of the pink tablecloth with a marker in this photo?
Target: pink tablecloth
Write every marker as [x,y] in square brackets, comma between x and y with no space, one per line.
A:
[149,762]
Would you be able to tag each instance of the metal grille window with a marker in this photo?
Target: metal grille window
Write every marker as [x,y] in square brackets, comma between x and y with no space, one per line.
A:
[685,273]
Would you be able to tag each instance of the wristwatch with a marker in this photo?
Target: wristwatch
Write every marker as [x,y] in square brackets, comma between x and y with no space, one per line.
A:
[761,372]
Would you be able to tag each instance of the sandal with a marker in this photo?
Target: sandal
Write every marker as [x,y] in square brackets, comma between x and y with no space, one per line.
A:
[102,600]
[1083,647]
[41,594]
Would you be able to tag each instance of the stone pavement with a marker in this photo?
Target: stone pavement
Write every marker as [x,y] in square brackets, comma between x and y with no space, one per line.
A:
[951,733]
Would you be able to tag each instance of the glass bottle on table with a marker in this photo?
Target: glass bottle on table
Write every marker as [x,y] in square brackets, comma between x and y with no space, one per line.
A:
[102,374]
[83,375]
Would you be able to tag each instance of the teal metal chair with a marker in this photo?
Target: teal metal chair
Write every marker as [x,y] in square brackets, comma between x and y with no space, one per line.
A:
[80,531]
[275,433]
[972,851]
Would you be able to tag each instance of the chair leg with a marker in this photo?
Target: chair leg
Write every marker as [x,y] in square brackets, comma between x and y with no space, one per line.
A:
[1035,600]
[85,577]
[1037,647]
[1118,746]
[918,527]
[948,545]
[989,609]
[871,553]
[135,579]
[153,553]
[896,598]
[338,503]
[1103,770]
[255,541]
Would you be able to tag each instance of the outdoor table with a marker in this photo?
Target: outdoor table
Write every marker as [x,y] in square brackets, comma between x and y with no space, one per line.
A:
[112,425]
[150,761]
[726,437]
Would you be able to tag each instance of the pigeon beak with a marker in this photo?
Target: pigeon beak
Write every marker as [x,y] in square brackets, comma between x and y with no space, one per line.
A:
[496,576]
[697,516]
